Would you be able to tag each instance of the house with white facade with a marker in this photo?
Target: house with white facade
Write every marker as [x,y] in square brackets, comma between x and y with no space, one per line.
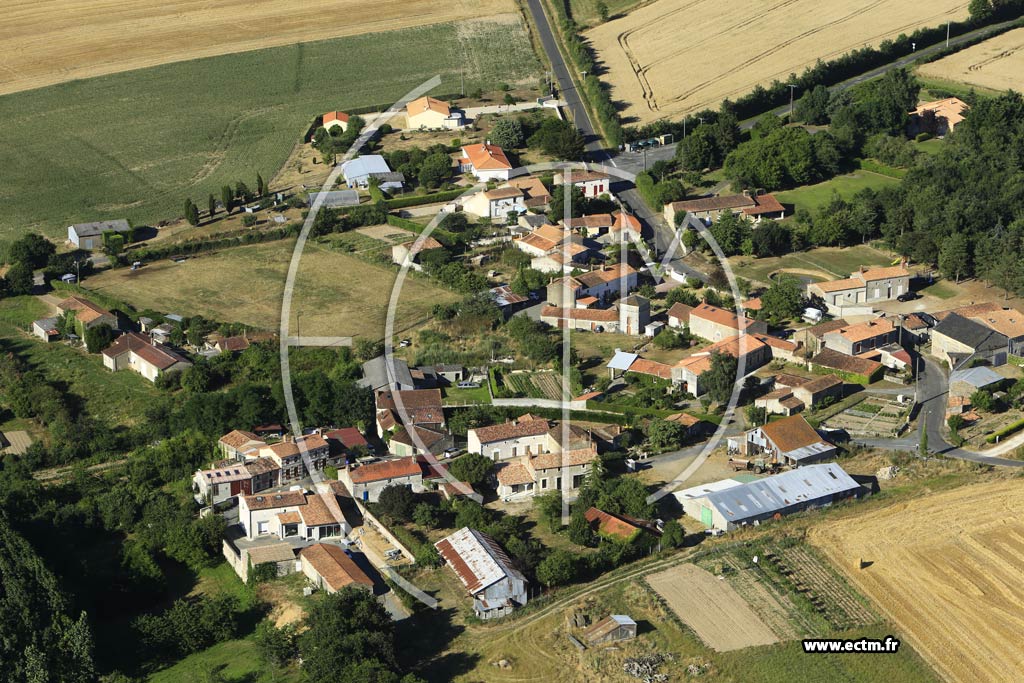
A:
[335,119]
[497,203]
[527,435]
[485,161]
[592,183]
[140,353]
[289,515]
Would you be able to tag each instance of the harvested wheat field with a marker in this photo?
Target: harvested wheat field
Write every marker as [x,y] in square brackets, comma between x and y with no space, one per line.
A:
[997,63]
[948,569]
[673,57]
[716,612]
[43,42]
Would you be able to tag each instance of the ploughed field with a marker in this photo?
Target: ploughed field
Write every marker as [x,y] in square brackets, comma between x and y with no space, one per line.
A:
[948,570]
[997,63]
[43,42]
[672,57]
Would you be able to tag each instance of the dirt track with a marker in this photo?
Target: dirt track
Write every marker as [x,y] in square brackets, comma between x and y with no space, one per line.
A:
[997,63]
[722,619]
[671,57]
[948,569]
[43,42]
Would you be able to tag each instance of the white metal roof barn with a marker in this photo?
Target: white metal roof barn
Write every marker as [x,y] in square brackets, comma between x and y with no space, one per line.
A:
[799,489]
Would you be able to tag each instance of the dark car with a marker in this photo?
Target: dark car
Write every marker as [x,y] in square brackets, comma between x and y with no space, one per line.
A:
[908,296]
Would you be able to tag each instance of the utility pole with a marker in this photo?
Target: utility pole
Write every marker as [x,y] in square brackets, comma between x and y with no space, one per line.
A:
[792,88]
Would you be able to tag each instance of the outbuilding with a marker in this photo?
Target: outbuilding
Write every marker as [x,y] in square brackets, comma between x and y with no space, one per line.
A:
[808,487]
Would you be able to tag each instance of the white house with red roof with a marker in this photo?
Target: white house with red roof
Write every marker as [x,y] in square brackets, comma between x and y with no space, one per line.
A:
[592,183]
[335,119]
[485,161]
[139,352]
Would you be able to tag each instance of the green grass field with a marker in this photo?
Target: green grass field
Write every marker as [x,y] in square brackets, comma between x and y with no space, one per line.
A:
[119,398]
[236,660]
[136,144]
[811,197]
[831,261]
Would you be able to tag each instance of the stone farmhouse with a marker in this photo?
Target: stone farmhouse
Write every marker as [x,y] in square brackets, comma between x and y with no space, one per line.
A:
[602,284]
[792,394]
[866,286]
[365,482]
[789,441]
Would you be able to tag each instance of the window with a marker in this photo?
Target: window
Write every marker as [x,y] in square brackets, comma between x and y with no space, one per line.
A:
[289,530]
[543,483]
[261,527]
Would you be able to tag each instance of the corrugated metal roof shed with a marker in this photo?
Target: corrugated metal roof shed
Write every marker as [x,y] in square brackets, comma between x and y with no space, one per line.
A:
[622,360]
[767,496]
[477,559]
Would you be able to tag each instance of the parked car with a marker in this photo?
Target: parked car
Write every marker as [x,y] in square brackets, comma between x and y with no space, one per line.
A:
[468,385]
[450,452]
[908,296]
[713,532]
[405,343]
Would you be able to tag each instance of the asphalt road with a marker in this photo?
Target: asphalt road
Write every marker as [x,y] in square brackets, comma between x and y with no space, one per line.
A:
[933,390]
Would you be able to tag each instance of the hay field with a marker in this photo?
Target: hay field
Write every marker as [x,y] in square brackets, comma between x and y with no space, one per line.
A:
[672,57]
[43,42]
[948,569]
[997,63]
[335,294]
[136,144]
[712,608]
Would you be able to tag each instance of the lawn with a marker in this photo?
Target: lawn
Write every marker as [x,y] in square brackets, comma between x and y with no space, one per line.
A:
[933,146]
[236,660]
[460,396]
[336,294]
[118,398]
[941,289]
[811,197]
[826,262]
[136,144]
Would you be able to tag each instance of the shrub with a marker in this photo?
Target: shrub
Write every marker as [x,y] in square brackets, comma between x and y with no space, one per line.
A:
[1009,429]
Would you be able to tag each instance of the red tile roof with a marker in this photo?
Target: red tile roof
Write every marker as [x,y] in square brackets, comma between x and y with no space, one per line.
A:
[486,157]
[511,430]
[389,469]
[765,203]
[791,433]
[652,368]
[335,567]
[335,116]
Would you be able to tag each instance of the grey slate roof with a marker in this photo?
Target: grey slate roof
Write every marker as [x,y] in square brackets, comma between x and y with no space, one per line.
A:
[100,227]
[966,331]
[375,374]
[801,487]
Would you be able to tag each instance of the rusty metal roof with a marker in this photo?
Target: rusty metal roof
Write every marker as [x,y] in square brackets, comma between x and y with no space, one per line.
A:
[476,558]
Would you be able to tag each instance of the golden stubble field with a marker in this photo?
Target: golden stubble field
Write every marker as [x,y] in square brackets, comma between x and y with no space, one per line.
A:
[997,63]
[672,57]
[43,42]
[948,570]
[336,294]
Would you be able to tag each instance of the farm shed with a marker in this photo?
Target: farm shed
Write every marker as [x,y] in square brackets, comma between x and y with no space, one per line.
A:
[335,198]
[611,629]
[966,382]
[90,235]
[360,170]
[808,487]
[485,570]
[328,567]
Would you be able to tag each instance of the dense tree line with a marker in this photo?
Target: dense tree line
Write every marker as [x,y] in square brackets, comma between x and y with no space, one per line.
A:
[40,638]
